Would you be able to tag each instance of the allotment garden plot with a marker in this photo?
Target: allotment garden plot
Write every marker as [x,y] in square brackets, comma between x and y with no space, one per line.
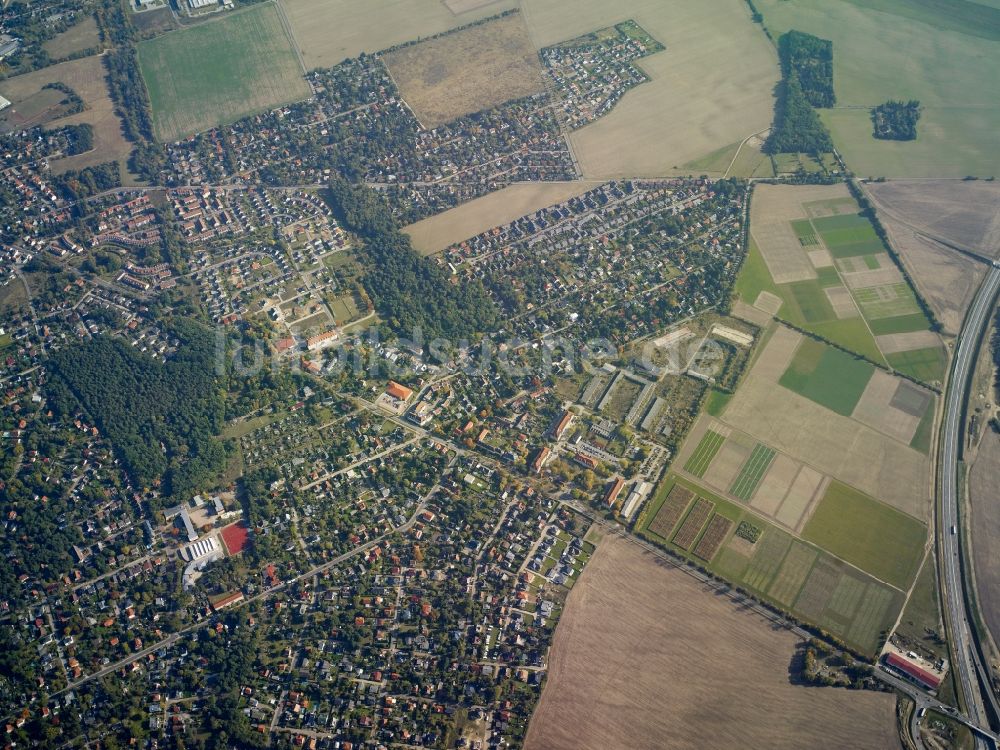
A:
[816,262]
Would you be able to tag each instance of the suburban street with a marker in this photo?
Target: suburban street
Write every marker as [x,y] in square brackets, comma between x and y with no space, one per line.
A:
[967,665]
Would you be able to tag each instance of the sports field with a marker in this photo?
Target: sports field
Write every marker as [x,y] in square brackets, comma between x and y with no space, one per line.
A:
[878,539]
[796,574]
[217,72]
[903,49]
[827,376]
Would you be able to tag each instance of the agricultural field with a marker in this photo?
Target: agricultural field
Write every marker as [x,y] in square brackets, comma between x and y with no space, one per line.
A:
[33,105]
[985,527]
[794,573]
[896,49]
[219,71]
[438,232]
[713,83]
[817,263]
[466,71]
[920,215]
[628,600]
[328,31]
[878,539]
[840,433]
[743,159]
[81,36]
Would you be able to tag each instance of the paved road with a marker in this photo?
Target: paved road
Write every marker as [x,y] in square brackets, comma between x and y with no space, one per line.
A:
[966,664]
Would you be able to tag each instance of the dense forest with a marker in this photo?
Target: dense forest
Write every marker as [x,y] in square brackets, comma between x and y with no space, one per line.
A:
[408,291]
[161,418]
[797,127]
[896,121]
[811,59]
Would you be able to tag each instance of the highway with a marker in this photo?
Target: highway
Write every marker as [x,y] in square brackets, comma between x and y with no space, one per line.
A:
[966,662]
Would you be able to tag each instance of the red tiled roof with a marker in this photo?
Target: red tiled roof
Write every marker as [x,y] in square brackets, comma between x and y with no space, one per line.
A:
[907,667]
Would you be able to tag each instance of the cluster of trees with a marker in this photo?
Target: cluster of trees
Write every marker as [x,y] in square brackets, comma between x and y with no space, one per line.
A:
[161,418]
[129,93]
[896,121]
[811,59]
[81,138]
[71,102]
[408,291]
[797,127]
[73,185]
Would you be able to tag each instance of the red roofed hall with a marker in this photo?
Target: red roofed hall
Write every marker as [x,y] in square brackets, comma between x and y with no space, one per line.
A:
[398,392]
[911,670]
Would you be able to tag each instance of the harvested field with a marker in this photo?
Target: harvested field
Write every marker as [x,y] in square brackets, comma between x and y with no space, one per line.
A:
[81,36]
[86,77]
[693,524]
[727,464]
[467,71]
[464,6]
[217,72]
[775,485]
[893,407]
[434,234]
[327,31]
[714,536]
[659,641]
[782,252]
[801,497]
[713,83]
[985,526]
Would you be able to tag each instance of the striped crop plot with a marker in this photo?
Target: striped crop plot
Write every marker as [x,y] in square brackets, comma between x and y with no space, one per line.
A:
[753,471]
[702,457]
[692,524]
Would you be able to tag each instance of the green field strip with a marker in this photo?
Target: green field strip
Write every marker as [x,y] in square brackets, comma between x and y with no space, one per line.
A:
[703,455]
[752,473]
[827,376]
[927,365]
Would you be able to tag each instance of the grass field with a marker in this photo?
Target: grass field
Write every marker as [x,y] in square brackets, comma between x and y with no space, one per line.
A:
[878,539]
[467,71]
[903,49]
[848,235]
[82,35]
[219,71]
[798,575]
[827,376]
[704,453]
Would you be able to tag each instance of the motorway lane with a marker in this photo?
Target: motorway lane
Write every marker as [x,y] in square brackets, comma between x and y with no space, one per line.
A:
[966,661]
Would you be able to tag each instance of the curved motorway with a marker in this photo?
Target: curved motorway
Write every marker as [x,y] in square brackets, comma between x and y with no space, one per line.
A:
[967,664]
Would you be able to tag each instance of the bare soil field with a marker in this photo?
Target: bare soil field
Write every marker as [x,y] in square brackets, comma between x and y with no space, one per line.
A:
[921,214]
[985,523]
[82,35]
[645,657]
[467,71]
[327,31]
[86,77]
[434,234]
[710,88]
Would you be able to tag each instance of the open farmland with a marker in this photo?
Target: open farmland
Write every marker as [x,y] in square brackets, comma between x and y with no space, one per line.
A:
[924,217]
[711,87]
[86,77]
[903,50]
[659,643]
[789,570]
[467,70]
[817,263]
[866,533]
[985,527]
[852,447]
[328,31]
[827,376]
[217,72]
